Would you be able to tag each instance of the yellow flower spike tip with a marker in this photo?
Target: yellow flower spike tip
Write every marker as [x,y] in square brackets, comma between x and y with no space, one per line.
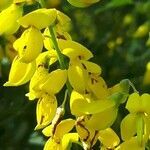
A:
[47,18]
[102,120]
[128,128]
[82,3]
[68,139]
[39,77]
[131,144]
[98,86]
[108,138]
[29,45]
[55,81]
[46,110]
[25,71]
[146,79]
[78,101]
[8,17]
[74,50]
[76,71]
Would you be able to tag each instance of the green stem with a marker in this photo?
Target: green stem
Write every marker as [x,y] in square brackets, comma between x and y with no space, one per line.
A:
[65,99]
[60,56]
[42,3]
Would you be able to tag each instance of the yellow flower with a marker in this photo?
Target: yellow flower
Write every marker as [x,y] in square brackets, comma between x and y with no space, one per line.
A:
[20,72]
[99,114]
[8,19]
[29,45]
[138,121]
[60,138]
[82,3]
[45,110]
[47,18]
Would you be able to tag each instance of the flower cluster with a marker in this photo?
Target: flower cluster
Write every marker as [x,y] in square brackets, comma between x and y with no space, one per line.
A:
[93,104]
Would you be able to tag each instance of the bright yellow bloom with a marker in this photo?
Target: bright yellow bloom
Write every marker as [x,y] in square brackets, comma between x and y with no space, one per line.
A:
[108,138]
[138,121]
[60,138]
[29,45]
[8,19]
[99,114]
[47,18]
[45,110]
[20,72]
[82,3]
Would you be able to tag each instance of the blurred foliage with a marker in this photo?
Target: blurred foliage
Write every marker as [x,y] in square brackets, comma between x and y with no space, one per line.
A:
[116,31]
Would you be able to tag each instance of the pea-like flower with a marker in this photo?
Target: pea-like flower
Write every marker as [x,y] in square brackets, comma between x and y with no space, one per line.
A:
[25,71]
[60,138]
[8,19]
[138,120]
[29,45]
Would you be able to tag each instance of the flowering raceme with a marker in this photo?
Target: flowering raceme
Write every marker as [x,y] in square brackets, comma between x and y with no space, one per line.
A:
[93,104]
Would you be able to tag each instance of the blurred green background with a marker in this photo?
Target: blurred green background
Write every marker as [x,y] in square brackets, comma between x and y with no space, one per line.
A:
[117,33]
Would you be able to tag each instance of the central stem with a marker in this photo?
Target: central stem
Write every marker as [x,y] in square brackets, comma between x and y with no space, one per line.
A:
[60,56]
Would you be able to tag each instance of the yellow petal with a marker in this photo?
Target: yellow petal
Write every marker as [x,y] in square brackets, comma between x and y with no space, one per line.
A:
[146,79]
[4,4]
[30,45]
[64,127]
[82,3]
[39,77]
[145,98]
[68,139]
[128,127]
[77,77]
[20,72]
[78,101]
[47,18]
[102,120]
[52,145]
[46,110]
[109,138]
[74,50]
[46,59]
[55,81]
[134,103]
[48,131]
[63,21]
[8,19]
[98,86]
[91,67]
